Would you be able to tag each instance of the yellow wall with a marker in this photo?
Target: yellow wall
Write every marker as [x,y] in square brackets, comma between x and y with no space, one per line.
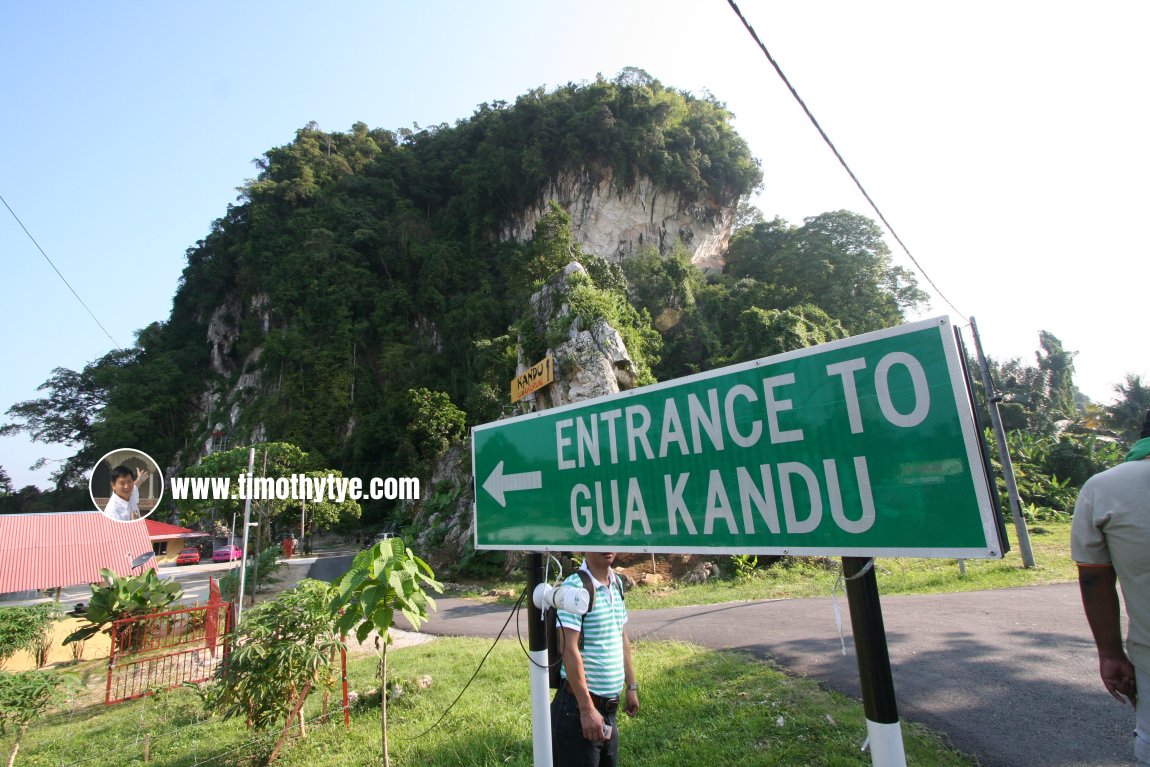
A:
[96,647]
[174,549]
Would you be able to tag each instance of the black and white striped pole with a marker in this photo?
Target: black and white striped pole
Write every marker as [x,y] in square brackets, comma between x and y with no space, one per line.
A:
[884,733]
[537,649]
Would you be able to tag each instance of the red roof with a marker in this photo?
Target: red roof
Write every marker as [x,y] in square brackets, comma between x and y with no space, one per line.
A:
[162,531]
[43,551]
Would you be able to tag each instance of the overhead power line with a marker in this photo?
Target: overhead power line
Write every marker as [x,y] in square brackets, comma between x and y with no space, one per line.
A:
[843,162]
[61,276]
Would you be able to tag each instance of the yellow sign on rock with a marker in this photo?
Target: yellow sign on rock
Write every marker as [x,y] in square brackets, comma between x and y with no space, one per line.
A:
[535,377]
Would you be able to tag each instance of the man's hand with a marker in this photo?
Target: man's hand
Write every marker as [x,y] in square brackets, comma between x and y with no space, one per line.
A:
[591,721]
[1118,676]
[142,476]
[632,706]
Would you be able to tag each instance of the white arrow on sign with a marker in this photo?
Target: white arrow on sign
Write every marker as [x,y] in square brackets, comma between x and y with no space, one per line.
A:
[499,483]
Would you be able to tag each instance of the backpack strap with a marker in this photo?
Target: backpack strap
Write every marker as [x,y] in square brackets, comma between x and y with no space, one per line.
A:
[589,587]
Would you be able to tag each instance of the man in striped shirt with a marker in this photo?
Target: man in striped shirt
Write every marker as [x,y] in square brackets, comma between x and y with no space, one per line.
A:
[584,711]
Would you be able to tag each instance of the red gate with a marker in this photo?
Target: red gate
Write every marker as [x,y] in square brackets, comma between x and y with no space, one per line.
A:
[163,650]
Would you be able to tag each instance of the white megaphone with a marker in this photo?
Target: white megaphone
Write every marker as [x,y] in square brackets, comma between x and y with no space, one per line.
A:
[570,599]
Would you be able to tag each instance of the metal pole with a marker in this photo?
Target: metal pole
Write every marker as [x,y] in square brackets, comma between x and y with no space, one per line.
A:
[244,552]
[537,646]
[992,400]
[884,733]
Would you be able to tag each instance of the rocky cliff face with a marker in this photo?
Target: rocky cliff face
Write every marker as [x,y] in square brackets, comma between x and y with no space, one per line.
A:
[615,225]
[246,382]
[591,362]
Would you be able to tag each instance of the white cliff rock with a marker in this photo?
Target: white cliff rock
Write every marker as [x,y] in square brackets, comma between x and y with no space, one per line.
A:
[592,362]
[617,225]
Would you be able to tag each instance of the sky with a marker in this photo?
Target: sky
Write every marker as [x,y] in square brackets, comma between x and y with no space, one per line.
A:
[1004,142]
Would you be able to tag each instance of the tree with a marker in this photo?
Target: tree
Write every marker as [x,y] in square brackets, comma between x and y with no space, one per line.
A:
[663,285]
[764,332]
[836,261]
[383,580]
[274,461]
[1037,398]
[551,248]
[1057,366]
[437,422]
[1129,410]
[25,696]
[5,482]
[284,650]
[66,413]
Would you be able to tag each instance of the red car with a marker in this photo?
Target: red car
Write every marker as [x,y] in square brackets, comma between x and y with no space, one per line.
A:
[227,554]
[188,557]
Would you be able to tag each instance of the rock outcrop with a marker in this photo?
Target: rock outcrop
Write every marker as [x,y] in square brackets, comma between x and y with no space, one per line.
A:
[616,225]
[592,362]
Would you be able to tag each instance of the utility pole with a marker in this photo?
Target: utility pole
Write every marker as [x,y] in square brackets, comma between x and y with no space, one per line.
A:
[244,552]
[992,400]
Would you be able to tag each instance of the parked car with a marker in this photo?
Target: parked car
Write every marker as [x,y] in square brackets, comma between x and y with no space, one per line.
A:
[227,554]
[189,556]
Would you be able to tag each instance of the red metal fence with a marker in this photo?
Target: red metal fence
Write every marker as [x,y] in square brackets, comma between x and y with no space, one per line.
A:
[163,650]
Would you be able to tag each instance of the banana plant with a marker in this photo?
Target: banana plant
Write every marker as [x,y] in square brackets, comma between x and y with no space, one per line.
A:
[118,597]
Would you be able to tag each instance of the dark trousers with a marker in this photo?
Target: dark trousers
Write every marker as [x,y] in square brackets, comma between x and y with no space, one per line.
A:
[568,746]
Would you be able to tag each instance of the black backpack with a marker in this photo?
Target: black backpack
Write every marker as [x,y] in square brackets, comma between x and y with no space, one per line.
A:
[551,621]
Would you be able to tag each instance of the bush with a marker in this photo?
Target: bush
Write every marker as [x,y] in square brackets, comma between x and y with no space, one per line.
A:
[1049,471]
[119,597]
[21,628]
[268,569]
[284,649]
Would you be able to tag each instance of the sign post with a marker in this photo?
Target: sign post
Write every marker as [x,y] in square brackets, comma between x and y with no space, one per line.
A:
[540,675]
[884,733]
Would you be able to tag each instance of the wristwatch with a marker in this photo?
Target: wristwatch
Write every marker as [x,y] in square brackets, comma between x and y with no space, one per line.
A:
[633,687]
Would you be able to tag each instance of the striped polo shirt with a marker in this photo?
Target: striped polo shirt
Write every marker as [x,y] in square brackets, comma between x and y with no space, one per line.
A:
[602,635]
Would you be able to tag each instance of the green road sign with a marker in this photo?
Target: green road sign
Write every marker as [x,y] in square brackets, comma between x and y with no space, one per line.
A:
[860,447]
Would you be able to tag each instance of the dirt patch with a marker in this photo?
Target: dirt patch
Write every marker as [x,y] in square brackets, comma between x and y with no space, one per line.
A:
[399,639]
[666,567]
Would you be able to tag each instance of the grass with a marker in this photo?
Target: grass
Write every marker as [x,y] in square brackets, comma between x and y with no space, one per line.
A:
[794,577]
[718,707]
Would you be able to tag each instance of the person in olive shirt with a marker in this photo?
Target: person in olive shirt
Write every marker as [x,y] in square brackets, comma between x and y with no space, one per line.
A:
[1110,541]
[584,731]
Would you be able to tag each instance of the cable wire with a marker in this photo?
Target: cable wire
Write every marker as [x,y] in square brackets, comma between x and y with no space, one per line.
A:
[512,614]
[842,161]
[550,665]
[61,276]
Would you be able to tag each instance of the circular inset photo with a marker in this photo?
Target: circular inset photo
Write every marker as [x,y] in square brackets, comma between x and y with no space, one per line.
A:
[126,485]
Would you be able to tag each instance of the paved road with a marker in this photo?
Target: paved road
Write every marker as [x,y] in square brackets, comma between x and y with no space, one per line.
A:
[1008,675]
